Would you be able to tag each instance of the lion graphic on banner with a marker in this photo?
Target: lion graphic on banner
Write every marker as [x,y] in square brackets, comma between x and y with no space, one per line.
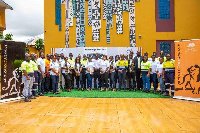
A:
[191,81]
[13,86]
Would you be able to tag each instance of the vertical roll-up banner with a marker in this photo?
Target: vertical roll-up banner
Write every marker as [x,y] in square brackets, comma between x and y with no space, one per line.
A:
[12,55]
[187,71]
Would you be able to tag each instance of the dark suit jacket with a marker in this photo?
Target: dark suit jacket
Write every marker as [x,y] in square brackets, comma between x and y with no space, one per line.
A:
[136,61]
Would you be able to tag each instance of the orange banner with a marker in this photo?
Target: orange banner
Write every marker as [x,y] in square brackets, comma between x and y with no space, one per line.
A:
[187,72]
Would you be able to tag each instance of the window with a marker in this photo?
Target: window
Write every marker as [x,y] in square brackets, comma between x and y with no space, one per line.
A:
[165,19]
[164,9]
[165,47]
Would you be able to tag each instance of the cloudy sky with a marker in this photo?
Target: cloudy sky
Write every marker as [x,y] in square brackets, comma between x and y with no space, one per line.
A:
[26,20]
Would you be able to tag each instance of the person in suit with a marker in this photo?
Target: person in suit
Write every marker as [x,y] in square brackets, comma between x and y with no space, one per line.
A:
[137,61]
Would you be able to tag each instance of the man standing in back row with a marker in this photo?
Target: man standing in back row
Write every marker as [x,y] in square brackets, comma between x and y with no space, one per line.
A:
[137,61]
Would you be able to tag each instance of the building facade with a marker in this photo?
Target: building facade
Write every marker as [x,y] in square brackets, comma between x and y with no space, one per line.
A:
[3,7]
[158,23]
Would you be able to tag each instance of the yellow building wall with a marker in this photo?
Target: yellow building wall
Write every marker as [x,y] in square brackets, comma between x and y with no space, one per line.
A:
[33,50]
[2,17]
[187,26]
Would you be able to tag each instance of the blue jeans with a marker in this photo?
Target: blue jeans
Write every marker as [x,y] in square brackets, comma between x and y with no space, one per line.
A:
[160,80]
[55,80]
[154,79]
[89,80]
[122,78]
[146,82]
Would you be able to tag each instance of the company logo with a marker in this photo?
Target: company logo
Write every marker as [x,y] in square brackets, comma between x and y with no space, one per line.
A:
[191,45]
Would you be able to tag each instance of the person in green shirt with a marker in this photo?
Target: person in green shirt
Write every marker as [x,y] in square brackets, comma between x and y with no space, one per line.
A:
[35,68]
[145,73]
[27,78]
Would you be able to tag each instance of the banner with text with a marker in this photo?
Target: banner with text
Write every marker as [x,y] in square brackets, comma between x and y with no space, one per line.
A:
[187,71]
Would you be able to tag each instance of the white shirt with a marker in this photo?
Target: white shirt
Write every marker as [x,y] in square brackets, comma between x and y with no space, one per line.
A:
[63,65]
[154,66]
[159,68]
[138,62]
[114,65]
[41,63]
[91,66]
[96,63]
[104,65]
[77,66]
[68,66]
[54,65]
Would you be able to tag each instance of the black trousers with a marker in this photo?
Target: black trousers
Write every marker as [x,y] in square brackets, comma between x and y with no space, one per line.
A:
[104,80]
[72,76]
[138,79]
[116,78]
[67,80]
[79,80]
[47,83]
[84,77]
[132,82]
[97,79]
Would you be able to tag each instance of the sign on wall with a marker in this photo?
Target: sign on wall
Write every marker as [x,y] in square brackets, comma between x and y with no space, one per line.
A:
[110,51]
[187,71]
[12,55]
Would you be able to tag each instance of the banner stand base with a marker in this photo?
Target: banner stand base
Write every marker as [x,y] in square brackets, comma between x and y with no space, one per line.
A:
[187,98]
[11,99]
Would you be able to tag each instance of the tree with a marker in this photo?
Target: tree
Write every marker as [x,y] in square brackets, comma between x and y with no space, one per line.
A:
[39,44]
[8,37]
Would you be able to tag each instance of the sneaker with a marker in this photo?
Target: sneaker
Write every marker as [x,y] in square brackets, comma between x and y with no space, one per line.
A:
[161,92]
[165,94]
[171,96]
[27,100]
[41,94]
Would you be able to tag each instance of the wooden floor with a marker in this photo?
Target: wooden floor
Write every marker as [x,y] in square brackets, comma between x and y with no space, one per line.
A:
[51,114]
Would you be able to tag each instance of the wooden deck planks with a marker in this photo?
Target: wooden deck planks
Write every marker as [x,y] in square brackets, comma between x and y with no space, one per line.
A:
[56,114]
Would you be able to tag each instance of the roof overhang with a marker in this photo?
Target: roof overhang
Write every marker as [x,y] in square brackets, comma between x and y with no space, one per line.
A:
[5,5]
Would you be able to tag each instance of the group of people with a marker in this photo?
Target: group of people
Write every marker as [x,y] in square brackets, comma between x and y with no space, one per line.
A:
[114,73]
